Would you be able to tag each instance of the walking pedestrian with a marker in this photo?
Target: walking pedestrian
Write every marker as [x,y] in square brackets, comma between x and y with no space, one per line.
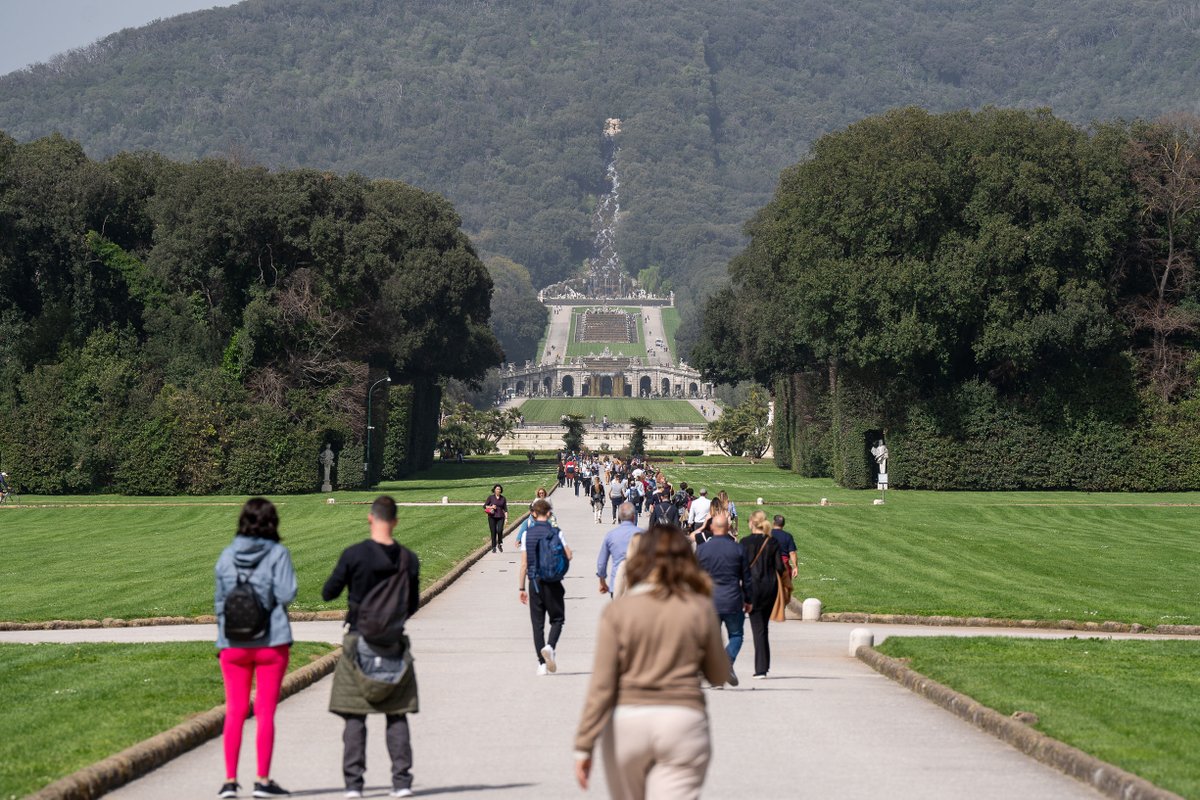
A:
[787,546]
[616,493]
[254,636]
[726,563]
[765,566]
[496,508]
[545,596]
[598,499]
[644,700]
[540,494]
[731,509]
[698,511]
[614,548]
[375,677]
[664,512]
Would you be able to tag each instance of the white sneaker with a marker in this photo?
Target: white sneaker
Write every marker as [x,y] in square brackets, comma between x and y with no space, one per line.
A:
[548,655]
[402,793]
[352,793]
[541,669]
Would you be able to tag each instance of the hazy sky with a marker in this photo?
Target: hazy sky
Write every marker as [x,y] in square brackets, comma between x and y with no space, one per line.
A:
[34,30]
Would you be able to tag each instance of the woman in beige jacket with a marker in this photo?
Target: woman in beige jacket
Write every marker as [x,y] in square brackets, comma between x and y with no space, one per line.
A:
[644,699]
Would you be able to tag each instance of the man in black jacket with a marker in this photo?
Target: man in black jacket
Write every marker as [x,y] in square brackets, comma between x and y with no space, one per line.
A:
[359,569]
[729,566]
[664,512]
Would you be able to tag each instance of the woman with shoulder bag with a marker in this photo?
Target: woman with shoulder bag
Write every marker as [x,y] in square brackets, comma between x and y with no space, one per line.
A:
[254,640]
[765,567]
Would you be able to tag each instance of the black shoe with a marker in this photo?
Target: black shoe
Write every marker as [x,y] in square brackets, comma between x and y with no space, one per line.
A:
[733,678]
[270,789]
[501,548]
[229,790]
[493,549]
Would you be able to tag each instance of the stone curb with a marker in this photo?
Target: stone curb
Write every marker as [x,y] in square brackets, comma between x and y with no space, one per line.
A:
[150,754]
[1100,775]
[795,606]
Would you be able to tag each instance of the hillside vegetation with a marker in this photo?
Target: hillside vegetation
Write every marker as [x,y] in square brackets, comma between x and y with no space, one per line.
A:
[499,106]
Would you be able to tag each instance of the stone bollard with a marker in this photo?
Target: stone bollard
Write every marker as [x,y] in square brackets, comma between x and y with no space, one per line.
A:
[877,502]
[861,637]
[331,501]
[812,610]
[824,501]
[760,501]
[445,499]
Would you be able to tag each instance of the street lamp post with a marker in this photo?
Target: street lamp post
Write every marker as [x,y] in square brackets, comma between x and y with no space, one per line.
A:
[370,427]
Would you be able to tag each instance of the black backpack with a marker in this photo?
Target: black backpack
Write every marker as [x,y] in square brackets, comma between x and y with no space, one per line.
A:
[383,612]
[246,618]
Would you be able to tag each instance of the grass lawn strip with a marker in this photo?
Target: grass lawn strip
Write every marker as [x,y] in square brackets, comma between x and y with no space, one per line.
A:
[66,706]
[130,562]
[670,320]
[1076,556]
[549,411]
[1135,704]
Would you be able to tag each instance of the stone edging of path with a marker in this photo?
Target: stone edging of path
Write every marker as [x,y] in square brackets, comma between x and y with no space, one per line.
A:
[1100,775]
[795,606]
[138,759]
[149,754]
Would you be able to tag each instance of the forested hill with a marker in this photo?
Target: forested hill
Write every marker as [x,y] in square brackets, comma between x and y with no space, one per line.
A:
[499,105]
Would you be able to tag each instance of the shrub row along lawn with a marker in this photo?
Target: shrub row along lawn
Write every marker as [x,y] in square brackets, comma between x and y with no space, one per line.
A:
[1135,704]
[144,557]
[68,705]
[551,410]
[1025,555]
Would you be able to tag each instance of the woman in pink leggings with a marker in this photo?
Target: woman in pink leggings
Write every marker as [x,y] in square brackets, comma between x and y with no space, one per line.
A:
[255,583]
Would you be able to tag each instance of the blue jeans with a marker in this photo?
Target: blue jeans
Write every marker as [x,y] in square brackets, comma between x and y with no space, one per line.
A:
[735,625]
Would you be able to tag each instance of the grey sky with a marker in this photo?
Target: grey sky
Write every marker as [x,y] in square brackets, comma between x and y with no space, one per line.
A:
[32,31]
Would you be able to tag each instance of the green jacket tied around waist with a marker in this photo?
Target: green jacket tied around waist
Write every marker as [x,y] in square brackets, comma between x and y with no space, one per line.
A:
[356,692]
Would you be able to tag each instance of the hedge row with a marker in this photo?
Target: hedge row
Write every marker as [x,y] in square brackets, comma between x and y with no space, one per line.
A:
[976,439]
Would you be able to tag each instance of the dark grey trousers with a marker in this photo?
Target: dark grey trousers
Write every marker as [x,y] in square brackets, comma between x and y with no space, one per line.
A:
[354,754]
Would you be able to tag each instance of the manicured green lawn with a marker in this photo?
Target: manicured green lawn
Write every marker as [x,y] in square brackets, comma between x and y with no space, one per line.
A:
[64,706]
[551,410]
[670,319]
[1135,704]
[139,557]
[631,349]
[1025,555]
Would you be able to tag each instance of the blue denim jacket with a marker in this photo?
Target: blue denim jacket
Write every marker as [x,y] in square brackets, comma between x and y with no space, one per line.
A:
[269,565]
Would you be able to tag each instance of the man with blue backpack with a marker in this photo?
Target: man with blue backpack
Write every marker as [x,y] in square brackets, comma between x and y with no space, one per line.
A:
[545,558]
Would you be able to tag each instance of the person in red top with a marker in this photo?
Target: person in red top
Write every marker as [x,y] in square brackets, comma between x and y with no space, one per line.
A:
[571,476]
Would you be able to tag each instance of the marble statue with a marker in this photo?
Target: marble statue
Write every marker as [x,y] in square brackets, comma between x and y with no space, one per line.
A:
[880,452]
[326,460]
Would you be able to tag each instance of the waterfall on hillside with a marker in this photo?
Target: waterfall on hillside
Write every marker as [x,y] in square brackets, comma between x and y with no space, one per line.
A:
[606,276]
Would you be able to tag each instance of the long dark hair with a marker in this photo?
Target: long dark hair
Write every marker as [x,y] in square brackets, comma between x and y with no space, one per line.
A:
[664,558]
[259,520]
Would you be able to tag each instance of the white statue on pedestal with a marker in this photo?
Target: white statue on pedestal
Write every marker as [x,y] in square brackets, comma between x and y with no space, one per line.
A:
[880,452]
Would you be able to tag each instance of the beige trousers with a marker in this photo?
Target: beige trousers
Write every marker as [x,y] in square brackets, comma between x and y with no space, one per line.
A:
[656,753]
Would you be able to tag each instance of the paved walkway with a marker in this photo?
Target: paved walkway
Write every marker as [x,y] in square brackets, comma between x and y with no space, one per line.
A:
[823,726]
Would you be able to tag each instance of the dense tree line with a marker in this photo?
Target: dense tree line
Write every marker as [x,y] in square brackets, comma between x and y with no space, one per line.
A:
[500,106]
[206,327]
[1010,298]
